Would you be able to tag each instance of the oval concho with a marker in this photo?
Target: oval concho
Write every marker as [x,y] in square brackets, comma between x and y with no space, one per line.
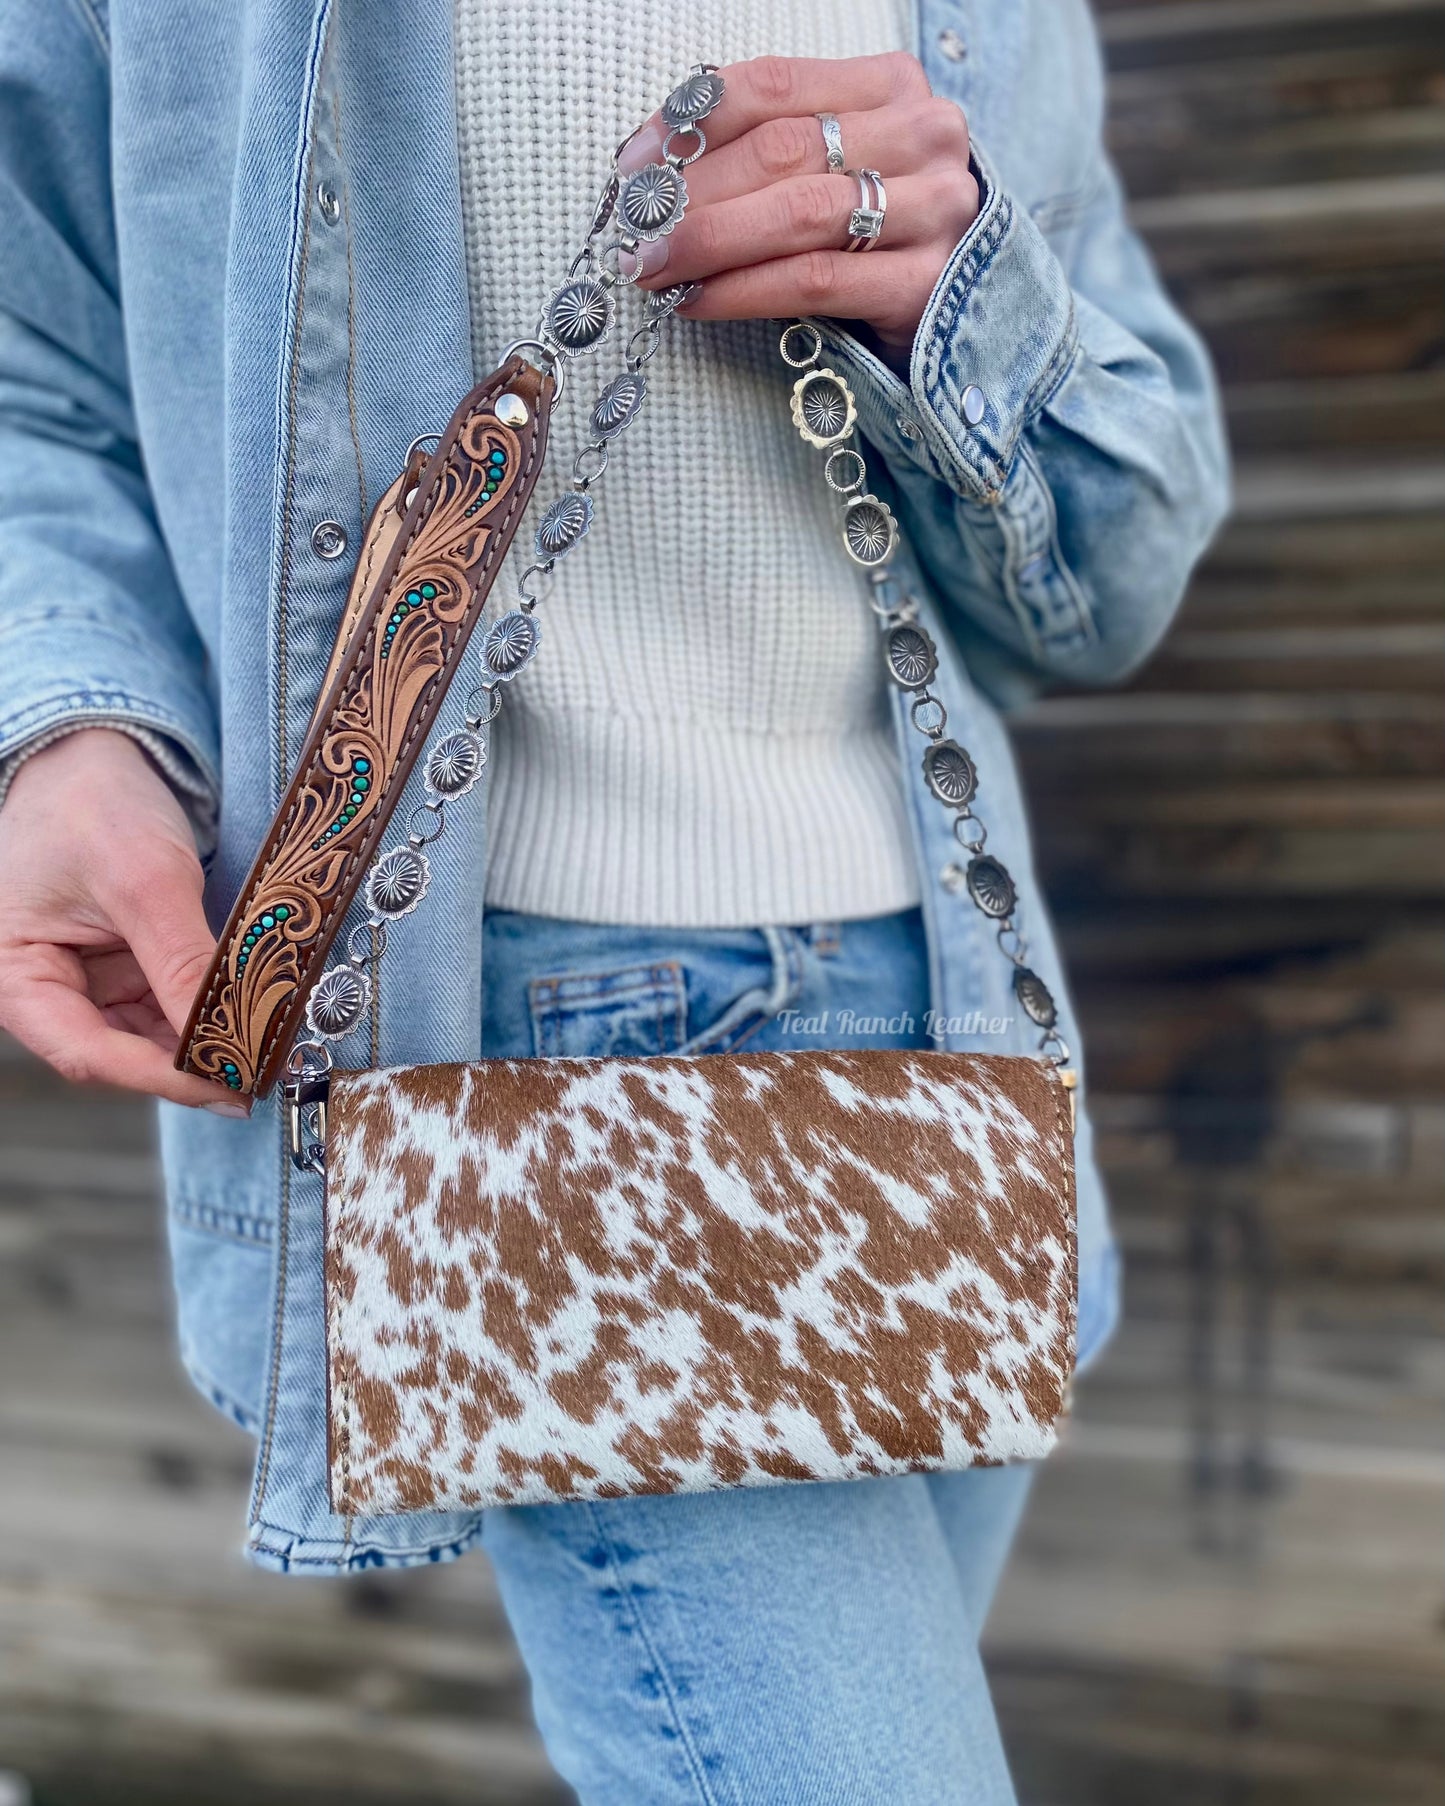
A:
[652,200]
[511,643]
[1035,998]
[398,882]
[580,314]
[692,99]
[565,522]
[616,407]
[910,656]
[869,530]
[341,998]
[949,773]
[454,764]
[824,410]
[991,886]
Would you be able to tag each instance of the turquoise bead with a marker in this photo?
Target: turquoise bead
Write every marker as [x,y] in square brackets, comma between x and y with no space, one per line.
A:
[429,590]
[361,764]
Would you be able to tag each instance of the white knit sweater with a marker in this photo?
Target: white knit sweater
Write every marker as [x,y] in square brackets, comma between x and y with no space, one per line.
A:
[703,738]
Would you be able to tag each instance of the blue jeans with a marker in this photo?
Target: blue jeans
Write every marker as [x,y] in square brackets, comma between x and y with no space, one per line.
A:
[808,1645]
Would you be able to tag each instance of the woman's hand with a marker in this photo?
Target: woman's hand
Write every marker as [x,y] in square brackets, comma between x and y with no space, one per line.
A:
[102,936]
[766,223]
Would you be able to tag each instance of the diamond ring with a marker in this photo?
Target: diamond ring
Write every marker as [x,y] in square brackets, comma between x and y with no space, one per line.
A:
[865,223]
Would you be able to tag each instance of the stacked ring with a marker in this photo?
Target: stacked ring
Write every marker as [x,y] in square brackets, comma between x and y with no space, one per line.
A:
[865,223]
[832,143]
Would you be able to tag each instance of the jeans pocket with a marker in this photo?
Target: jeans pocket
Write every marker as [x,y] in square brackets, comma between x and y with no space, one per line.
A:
[627,1010]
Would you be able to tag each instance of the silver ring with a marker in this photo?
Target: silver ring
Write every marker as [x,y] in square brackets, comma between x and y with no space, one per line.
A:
[865,223]
[832,142]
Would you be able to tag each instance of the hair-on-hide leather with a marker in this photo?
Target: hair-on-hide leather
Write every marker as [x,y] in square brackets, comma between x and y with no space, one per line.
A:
[571,1279]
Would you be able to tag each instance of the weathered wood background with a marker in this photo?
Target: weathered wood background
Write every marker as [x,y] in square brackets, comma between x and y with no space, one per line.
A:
[1230,1589]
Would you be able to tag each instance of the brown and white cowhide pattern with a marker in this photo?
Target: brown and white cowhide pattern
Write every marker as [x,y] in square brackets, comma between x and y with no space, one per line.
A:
[564,1279]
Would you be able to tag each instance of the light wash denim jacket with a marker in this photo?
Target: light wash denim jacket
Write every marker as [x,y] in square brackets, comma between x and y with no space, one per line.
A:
[232,290]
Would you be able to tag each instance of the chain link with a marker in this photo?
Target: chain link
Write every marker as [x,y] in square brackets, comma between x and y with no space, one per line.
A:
[824,411]
[602,260]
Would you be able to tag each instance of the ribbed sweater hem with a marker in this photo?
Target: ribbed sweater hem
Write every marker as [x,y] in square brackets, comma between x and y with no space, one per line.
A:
[600,817]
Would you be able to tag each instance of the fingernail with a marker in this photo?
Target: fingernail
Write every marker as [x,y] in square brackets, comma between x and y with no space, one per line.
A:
[240,1110]
[653,256]
[645,146]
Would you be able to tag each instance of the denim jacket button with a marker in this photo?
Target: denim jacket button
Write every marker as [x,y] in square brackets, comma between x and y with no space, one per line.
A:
[974,404]
[329,203]
[952,45]
[907,429]
[328,539]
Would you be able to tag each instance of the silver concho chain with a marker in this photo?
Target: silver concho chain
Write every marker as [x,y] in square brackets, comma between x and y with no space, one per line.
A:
[577,318]
[825,413]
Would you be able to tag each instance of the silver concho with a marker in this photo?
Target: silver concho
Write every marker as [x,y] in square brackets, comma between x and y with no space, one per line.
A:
[454,764]
[398,882]
[341,998]
[991,887]
[616,407]
[869,530]
[949,773]
[1035,998]
[510,643]
[664,301]
[579,315]
[911,656]
[823,408]
[692,99]
[564,523]
[653,200]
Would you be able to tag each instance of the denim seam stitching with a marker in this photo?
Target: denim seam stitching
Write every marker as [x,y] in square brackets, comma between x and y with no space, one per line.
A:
[220,1397]
[673,994]
[301,196]
[990,461]
[384,1555]
[626,1594]
[791,987]
[1083,623]
[226,1225]
[273,1378]
[607,972]
[164,720]
[350,303]
[90,17]
[293,383]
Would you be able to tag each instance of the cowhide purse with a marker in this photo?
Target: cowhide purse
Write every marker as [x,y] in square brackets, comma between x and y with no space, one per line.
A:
[567,1279]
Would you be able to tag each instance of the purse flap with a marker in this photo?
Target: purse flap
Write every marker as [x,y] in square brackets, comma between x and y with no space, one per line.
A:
[580,1278]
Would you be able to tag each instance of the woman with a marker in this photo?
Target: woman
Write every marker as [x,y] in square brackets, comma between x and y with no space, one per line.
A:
[238,278]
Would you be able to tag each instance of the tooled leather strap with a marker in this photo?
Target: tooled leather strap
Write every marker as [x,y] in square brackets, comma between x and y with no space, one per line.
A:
[397,654]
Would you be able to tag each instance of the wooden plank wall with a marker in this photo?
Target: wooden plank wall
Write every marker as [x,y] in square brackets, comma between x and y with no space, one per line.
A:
[1230,1588]
[1235,1591]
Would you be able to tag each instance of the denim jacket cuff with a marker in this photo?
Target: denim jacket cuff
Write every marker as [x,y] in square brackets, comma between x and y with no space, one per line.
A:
[996,338]
[169,740]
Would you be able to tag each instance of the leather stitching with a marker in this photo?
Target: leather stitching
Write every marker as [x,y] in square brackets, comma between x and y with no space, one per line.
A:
[335,906]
